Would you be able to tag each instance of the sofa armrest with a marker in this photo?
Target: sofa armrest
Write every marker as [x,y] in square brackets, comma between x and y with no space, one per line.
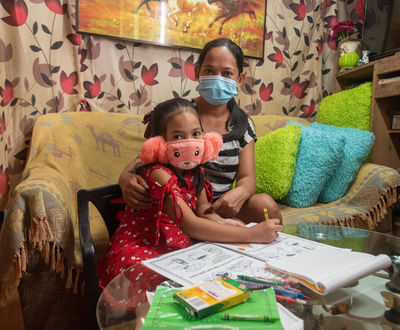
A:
[38,218]
[68,152]
[375,189]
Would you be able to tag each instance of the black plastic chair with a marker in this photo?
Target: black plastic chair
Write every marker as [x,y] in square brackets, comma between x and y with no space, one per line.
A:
[107,200]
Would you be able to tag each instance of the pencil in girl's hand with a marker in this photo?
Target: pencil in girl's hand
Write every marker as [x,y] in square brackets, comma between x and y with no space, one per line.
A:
[266,216]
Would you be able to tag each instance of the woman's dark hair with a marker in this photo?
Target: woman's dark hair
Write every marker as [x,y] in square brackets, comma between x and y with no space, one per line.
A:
[237,122]
[157,122]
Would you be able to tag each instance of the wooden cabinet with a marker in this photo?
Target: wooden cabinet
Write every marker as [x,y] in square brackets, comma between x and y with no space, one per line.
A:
[386,149]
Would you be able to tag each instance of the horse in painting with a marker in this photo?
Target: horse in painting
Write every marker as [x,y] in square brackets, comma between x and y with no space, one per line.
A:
[193,8]
[233,8]
[144,2]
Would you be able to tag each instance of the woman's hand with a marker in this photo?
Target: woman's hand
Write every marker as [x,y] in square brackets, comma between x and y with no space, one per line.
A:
[134,190]
[266,231]
[229,204]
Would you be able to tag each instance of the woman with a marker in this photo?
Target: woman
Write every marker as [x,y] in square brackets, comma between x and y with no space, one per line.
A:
[219,71]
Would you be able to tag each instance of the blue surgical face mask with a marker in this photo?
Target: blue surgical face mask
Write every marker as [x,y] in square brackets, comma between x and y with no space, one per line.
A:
[216,90]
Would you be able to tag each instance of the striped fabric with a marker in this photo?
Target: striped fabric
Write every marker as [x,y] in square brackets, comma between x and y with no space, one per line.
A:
[222,171]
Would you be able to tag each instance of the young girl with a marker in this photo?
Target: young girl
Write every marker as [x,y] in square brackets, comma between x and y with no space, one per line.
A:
[179,195]
[219,70]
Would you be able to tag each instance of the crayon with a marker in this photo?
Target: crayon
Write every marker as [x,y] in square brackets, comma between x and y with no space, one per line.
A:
[288,287]
[284,291]
[254,279]
[266,216]
[240,317]
[283,281]
[289,300]
[287,293]
[259,287]
[254,285]
[248,283]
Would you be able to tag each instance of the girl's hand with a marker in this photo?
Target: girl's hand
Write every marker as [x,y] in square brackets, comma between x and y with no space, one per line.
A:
[134,190]
[232,222]
[266,231]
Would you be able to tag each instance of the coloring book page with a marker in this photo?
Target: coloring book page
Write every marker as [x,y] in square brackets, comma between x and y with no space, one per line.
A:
[282,247]
[204,262]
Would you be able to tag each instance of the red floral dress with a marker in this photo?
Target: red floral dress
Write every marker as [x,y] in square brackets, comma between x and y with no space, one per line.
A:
[148,233]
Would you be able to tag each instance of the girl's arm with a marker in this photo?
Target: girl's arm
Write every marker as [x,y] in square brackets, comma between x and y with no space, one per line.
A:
[230,203]
[134,187]
[202,229]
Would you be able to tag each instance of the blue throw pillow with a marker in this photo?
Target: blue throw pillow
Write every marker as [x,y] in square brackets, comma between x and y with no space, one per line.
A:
[318,156]
[357,147]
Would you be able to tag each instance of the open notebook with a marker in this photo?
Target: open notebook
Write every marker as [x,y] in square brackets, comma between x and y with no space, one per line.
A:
[204,262]
[320,267]
[326,270]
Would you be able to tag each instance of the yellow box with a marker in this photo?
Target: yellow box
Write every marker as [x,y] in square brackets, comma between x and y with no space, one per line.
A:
[212,297]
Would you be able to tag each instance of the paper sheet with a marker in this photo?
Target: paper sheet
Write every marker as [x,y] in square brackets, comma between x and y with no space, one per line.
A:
[327,270]
[204,262]
[282,247]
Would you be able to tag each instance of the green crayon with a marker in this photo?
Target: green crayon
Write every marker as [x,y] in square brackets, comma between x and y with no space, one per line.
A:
[244,317]
[254,279]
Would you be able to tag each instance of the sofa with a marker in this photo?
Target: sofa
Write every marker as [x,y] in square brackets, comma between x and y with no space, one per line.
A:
[39,242]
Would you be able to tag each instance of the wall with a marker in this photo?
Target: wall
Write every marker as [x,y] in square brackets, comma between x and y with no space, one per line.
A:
[46,67]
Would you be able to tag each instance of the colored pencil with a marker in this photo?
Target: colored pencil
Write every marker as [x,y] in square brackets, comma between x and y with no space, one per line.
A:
[266,216]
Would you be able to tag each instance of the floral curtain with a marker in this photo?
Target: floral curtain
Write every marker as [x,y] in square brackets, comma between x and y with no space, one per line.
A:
[45,67]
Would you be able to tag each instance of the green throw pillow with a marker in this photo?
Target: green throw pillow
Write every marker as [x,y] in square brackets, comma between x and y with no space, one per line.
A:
[275,155]
[349,108]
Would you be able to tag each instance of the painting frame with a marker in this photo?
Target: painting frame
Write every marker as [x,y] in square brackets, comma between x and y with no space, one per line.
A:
[186,24]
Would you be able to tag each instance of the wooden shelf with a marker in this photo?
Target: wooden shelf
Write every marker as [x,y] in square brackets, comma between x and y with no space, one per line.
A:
[387,90]
[361,72]
[386,149]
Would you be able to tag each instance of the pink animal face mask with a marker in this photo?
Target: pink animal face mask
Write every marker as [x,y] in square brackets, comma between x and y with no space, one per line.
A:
[185,154]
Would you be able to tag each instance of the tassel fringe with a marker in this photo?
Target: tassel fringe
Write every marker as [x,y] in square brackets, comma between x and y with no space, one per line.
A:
[374,216]
[38,237]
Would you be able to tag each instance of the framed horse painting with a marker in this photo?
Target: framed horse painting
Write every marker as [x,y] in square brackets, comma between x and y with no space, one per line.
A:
[181,23]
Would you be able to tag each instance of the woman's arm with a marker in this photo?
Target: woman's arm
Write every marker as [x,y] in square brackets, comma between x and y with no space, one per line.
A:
[230,203]
[134,187]
[202,229]
[202,205]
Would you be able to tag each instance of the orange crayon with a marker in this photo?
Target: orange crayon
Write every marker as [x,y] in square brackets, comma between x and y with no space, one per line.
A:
[289,300]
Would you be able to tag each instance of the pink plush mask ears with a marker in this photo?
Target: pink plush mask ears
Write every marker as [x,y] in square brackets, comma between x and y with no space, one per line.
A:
[212,145]
[154,150]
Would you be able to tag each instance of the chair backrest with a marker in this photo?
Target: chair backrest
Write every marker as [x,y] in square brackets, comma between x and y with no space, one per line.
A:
[108,201]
